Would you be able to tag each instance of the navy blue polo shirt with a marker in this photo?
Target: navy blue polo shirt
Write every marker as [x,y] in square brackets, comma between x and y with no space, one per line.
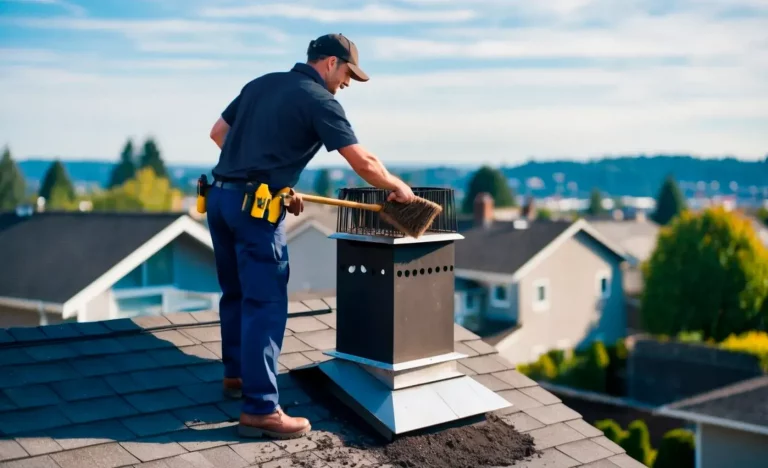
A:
[278,123]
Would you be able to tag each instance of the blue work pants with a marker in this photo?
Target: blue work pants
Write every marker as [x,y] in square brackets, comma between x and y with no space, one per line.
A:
[252,266]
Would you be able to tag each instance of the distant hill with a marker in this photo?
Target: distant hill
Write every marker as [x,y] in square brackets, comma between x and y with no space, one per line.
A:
[628,175]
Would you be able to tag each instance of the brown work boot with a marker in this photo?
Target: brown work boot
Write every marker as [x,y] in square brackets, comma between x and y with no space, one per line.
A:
[277,425]
[233,388]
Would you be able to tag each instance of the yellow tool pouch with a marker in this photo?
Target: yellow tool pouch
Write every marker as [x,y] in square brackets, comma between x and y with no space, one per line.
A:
[276,205]
[202,191]
[263,202]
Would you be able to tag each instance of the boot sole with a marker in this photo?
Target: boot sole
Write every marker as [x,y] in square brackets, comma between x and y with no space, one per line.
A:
[256,433]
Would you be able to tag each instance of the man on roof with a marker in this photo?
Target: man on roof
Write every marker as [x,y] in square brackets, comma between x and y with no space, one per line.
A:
[267,135]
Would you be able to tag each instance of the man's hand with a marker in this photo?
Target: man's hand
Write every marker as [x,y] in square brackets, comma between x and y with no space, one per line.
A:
[296,206]
[402,194]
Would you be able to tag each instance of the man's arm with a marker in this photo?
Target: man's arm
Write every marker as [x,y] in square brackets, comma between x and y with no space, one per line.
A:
[226,120]
[219,132]
[369,167]
[336,134]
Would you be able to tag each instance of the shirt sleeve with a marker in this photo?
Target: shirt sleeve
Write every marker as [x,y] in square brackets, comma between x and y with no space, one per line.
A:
[231,111]
[332,126]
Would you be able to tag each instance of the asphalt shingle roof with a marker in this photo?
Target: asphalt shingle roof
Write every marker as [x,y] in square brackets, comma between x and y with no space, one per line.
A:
[72,248]
[146,392]
[503,248]
[745,402]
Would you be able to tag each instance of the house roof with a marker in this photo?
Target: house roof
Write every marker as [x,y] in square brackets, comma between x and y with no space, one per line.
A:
[740,406]
[638,238]
[503,248]
[130,391]
[76,249]
[323,217]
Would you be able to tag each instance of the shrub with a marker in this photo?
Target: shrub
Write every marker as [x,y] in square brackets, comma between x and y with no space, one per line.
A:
[752,342]
[677,450]
[591,370]
[612,430]
[637,443]
[542,369]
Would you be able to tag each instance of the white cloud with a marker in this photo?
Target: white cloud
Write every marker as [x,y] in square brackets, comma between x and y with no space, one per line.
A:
[366,14]
[637,37]
[480,115]
[147,26]
[69,6]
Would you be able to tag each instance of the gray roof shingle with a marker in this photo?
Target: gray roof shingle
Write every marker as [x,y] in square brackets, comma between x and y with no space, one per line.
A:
[503,248]
[152,399]
[73,248]
[743,402]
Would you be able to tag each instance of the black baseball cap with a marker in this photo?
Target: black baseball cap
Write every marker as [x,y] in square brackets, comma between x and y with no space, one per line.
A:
[337,45]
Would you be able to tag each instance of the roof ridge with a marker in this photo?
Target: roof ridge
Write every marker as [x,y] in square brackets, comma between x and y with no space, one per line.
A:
[722,392]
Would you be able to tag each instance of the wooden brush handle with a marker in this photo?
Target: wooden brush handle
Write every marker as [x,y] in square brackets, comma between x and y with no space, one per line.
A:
[335,202]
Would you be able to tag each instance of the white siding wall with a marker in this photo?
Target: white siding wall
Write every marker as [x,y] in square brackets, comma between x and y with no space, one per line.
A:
[313,262]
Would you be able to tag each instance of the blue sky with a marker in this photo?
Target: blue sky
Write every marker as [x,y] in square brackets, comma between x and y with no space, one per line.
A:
[457,81]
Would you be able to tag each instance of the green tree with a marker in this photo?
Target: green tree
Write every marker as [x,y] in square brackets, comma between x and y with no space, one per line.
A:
[677,450]
[323,185]
[595,202]
[125,169]
[488,179]
[150,157]
[56,182]
[637,443]
[708,273]
[12,182]
[670,202]
[145,192]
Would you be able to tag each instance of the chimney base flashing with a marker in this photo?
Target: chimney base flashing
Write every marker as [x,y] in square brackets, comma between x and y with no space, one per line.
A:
[400,366]
[395,412]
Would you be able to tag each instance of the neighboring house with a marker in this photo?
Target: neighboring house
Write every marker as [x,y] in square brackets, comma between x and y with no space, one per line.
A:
[731,424]
[528,287]
[75,266]
[312,253]
[637,237]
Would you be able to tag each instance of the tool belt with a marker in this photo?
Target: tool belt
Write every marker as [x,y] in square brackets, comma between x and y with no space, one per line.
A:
[258,200]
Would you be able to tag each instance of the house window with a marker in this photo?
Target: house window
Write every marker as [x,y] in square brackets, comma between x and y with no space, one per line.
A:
[603,285]
[500,295]
[541,295]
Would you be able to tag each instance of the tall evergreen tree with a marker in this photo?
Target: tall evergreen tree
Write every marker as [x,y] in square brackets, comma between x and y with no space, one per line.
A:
[595,202]
[12,183]
[125,169]
[669,203]
[323,185]
[56,181]
[488,179]
[150,157]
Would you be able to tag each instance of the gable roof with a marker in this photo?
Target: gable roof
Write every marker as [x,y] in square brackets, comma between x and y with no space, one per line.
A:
[637,238]
[741,406]
[503,250]
[54,257]
[123,392]
[323,216]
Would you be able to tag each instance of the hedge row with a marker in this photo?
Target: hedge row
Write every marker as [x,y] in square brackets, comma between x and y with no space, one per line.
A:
[597,368]
[677,449]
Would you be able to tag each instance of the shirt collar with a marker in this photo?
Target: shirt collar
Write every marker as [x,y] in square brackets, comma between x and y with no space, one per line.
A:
[305,69]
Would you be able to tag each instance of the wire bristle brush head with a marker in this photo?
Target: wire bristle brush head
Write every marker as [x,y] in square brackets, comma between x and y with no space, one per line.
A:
[412,218]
